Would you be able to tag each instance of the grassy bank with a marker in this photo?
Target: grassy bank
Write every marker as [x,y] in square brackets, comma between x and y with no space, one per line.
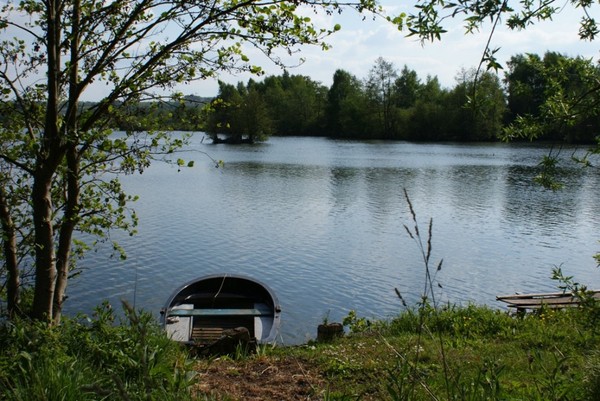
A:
[452,353]
[469,353]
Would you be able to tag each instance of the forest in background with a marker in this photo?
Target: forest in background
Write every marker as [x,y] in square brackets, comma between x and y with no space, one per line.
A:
[390,104]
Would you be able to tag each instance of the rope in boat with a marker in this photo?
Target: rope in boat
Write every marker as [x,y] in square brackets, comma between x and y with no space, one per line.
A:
[221,287]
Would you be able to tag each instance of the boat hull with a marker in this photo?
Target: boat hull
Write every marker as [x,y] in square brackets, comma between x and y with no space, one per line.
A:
[200,311]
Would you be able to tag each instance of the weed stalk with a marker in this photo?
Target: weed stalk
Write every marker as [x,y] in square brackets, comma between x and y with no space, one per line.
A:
[428,289]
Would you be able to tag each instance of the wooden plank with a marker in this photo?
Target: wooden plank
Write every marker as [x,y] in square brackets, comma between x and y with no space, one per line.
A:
[536,305]
[220,312]
[207,330]
[549,300]
[595,294]
[206,335]
[533,301]
[540,295]
[540,306]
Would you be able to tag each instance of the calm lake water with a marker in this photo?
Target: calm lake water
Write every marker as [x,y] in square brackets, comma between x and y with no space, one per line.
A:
[321,223]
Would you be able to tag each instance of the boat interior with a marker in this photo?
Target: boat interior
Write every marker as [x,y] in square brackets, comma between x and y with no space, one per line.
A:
[203,319]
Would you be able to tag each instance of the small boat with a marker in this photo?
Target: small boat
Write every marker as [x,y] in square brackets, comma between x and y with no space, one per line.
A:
[201,310]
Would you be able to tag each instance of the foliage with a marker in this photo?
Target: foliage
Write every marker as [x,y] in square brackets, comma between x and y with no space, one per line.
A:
[428,22]
[587,301]
[357,324]
[484,107]
[89,359]
[346,112]
[392,104]
[184,114]
[475,109]
[285,105]
[230,112]
[379,88]
[593,375]
[553,98]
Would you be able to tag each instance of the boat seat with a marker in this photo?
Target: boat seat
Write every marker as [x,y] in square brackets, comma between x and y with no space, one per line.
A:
[220,312]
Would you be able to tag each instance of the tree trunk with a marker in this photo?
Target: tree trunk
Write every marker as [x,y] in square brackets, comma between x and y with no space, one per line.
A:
[49,158]
[71,215]
[10,256]
[66,233]
[45,262]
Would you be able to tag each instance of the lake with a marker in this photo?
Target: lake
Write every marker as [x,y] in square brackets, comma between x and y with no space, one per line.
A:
[321,222]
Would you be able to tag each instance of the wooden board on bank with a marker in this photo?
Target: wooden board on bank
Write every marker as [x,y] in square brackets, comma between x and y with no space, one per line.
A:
[553,300]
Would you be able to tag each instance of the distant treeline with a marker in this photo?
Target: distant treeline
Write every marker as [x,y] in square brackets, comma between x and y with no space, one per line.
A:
[182,114]
[398,105]
[388,104]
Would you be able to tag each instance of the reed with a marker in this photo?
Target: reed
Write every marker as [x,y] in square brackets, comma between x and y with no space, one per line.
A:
[403,385]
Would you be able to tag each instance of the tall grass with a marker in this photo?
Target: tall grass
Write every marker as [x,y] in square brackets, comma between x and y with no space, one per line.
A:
[427,305]
[92,359]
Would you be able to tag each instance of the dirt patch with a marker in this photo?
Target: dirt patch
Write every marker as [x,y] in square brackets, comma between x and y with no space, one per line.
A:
[261,379]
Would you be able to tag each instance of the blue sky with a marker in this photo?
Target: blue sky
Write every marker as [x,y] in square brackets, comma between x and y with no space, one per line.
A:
[359,43]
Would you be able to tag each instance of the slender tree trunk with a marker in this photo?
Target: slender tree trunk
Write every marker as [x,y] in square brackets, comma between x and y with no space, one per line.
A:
[66,233]
[45,262]
[49,157]
[72,201]
[10,256]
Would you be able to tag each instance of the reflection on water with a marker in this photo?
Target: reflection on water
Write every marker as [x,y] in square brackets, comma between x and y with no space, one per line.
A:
[321,222]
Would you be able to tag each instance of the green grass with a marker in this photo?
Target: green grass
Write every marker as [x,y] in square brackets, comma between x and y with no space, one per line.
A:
[453,353]
[92,359]
[487,355]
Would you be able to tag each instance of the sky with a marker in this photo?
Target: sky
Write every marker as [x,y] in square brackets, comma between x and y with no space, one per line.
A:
[360,42]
